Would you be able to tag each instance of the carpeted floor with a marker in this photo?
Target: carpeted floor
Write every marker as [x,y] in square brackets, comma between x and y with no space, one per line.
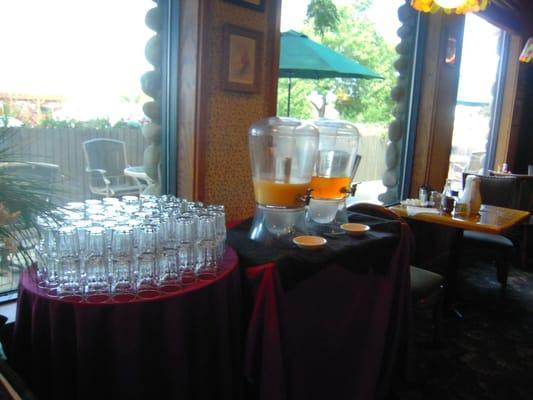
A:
[489,353]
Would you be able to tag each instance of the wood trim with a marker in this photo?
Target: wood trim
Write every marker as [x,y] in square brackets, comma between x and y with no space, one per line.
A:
[507,141]
[202,100]
[187,94]
[438,98]
[272,48]
[428,100]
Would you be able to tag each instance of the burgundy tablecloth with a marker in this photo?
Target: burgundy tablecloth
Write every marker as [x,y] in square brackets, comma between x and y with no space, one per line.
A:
[185,345]
[331,324]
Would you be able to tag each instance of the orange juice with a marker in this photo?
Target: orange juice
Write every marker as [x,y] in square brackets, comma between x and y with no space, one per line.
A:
[329,188]
[279,194]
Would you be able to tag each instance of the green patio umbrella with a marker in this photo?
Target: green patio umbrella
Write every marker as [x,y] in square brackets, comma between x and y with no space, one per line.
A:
[301,57]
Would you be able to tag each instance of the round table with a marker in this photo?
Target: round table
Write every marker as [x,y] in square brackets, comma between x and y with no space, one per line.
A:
[138,173]
[183,345]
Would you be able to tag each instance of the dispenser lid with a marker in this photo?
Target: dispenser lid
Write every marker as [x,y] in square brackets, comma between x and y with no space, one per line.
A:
[282,126]
[336,127]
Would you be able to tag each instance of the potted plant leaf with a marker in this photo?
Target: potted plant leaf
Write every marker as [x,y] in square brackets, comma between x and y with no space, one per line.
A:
[23,198]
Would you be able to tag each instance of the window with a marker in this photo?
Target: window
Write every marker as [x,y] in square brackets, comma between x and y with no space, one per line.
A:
[365,33]
[70,90]
[477,108]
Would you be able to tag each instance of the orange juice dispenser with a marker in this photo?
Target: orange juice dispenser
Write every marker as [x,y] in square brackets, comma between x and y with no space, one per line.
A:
[282,153]
[334,171]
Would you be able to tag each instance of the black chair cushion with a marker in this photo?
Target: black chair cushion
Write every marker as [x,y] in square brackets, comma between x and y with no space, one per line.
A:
[424,283]
[487,239]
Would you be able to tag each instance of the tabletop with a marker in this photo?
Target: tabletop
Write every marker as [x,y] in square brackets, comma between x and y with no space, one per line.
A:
[497,173]
[491,219]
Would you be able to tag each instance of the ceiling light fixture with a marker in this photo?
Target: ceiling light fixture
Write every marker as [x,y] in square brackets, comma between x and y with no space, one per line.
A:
[450,3]
[450,6]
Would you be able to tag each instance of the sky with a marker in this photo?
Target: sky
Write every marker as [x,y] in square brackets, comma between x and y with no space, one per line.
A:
[383,13]
[480,57]
[74,49]
[92,58]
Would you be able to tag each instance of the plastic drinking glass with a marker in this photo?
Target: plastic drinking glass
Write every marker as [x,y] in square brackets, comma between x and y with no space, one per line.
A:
[69,264]
[122,261]
[96,271]
[207,266]
[147,260]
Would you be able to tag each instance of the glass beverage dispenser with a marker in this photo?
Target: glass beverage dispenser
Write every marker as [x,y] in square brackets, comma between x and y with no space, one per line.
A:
[282,153]
[334,171]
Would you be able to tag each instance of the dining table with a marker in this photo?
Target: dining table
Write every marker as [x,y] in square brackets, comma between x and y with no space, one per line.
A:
[328,323]
[182,344]
[490,219]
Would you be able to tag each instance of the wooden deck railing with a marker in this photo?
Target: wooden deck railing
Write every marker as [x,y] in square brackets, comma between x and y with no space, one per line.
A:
[63,146]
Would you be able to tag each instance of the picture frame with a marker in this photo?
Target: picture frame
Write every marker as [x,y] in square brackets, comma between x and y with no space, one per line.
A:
[241,59]
[257,5]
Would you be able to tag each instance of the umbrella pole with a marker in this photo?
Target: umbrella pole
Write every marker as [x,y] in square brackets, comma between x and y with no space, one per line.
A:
[289,99]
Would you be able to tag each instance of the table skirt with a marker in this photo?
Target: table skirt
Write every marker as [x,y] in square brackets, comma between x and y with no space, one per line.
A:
[186,345]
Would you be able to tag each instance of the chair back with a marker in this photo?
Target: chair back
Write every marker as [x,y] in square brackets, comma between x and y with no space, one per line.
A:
[476,162]
[374,210]
[500,191]
[106,154]
[525,194]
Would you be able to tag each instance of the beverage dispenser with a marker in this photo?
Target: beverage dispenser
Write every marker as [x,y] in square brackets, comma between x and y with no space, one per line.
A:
[282,153]
[335,167]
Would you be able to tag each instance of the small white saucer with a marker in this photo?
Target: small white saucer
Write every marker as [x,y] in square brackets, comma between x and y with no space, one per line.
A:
[309,242]
[355,229]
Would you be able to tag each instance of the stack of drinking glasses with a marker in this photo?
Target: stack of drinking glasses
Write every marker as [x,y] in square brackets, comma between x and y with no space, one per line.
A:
[129,246]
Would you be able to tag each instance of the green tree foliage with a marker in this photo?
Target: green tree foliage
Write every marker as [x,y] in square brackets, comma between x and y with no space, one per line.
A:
[97,123]
[359,100]
[300,105]
[323,16]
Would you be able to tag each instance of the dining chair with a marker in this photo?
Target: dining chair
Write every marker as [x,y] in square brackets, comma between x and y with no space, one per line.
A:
[105,161]
[500,191]
[427,287]
[524,202]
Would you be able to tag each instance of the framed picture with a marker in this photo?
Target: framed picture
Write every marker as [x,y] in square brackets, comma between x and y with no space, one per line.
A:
[241,59]
[257,5]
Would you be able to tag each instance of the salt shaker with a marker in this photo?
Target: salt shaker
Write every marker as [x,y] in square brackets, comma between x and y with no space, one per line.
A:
[423,194]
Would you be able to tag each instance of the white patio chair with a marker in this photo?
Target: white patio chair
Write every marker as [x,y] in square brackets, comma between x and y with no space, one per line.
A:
[105,161]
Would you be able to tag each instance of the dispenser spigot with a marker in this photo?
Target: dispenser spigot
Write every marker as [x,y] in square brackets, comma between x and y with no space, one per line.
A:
[353,188]
[350,191]
[307,197]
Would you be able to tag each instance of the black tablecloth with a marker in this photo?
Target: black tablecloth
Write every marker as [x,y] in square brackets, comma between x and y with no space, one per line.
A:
[327,324]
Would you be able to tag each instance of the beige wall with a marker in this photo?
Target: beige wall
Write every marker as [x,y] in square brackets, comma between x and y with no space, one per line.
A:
[223,168]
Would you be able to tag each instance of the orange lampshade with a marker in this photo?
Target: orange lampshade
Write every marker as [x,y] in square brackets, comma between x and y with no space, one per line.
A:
[450,6]
[527,53]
